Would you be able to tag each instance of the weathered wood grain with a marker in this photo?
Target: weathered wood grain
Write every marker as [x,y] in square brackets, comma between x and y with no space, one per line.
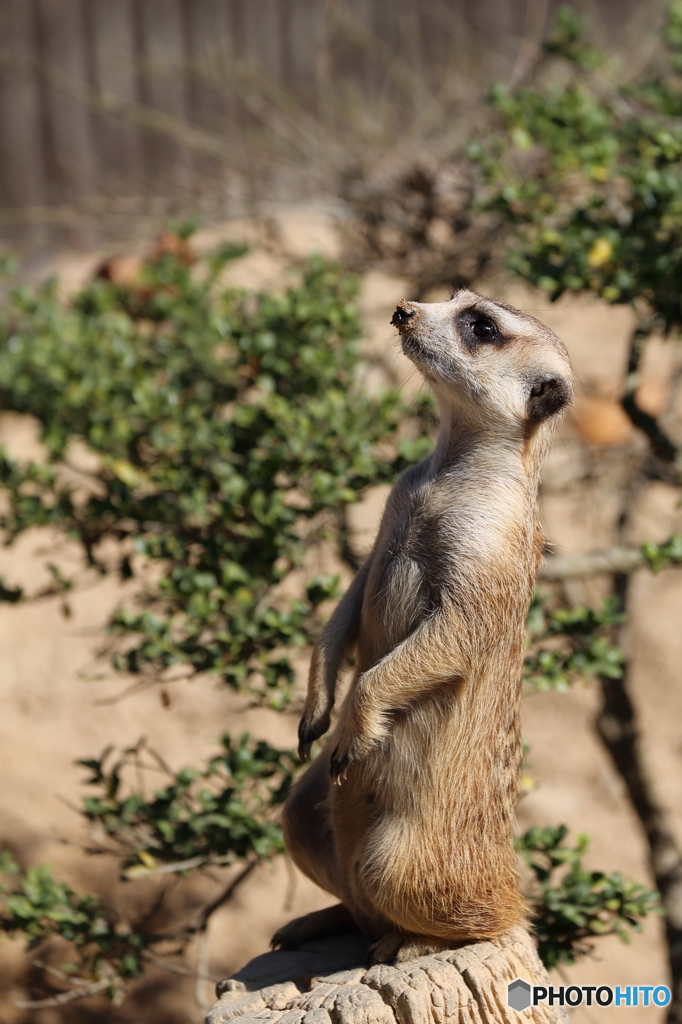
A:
[328,983]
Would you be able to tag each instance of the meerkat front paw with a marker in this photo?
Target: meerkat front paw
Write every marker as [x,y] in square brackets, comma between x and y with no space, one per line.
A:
[347,750]
[310,728]
[338,767]
[351,747]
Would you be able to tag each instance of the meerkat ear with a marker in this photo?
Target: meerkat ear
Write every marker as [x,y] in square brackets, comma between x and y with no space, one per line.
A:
[546,397]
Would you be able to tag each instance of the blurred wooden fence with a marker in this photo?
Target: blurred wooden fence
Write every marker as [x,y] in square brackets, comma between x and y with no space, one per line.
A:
[132,100]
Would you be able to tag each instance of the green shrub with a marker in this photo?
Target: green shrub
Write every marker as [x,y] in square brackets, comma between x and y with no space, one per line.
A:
[571,905]
[230,432]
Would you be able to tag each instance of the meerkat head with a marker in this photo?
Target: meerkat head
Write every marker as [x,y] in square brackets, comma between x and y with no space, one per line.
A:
[493,363]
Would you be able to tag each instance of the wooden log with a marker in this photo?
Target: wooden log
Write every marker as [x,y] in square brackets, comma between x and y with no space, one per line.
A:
[329,982]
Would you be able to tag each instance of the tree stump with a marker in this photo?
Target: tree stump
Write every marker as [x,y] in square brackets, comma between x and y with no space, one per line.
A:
[328,982]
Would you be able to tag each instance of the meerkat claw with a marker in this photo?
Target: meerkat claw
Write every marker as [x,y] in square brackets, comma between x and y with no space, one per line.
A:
[305,742]
[338,768]
[308,733]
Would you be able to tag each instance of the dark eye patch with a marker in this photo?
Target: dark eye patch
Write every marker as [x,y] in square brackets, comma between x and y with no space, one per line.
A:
[477,328]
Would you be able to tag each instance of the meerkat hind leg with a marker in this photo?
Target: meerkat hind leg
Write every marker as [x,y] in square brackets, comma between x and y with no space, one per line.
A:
[400,947]
[320,924]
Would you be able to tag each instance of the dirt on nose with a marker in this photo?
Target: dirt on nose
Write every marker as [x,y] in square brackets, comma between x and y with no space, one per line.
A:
[403,314]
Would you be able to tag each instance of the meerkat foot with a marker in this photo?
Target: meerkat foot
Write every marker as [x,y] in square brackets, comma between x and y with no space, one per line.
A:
[351,747]
[399,947]
[319,925]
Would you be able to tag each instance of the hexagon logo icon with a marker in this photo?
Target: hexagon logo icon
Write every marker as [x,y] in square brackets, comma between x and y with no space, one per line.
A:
[518,995]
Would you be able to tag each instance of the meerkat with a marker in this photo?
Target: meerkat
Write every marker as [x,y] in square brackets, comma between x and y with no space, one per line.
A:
[407,816]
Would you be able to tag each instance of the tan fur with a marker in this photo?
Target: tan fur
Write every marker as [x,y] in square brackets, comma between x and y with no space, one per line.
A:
[416,840]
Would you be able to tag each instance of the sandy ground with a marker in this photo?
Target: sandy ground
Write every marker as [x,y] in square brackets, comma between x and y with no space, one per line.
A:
[56,707]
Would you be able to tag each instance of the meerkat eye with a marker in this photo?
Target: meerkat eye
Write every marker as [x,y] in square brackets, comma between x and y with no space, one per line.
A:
[484,328]
[476,330]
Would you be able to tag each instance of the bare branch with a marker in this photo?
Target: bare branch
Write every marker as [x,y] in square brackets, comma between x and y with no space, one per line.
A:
[140,871]
[62,975]
[64,997]
[661,445]
[163,965]
[187,932]
[618,729]
[224,896]
[203,957]
[592,563]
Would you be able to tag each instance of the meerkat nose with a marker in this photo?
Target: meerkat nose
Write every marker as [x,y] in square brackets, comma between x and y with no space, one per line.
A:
[402,315]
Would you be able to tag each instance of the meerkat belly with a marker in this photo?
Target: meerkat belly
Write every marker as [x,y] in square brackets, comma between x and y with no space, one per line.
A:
[411,825]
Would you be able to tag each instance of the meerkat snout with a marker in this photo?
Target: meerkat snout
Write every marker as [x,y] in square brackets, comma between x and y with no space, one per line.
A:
[403,314]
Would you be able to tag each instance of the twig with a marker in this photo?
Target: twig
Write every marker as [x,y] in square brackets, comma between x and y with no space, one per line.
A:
[64,997]
[203,956]
[224,896]
[62,975]
[592,563]
[530,48]
[661,445]
[291,885]
[128,691]
[161,762]
[200,924]
[140,871]
[175,968]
